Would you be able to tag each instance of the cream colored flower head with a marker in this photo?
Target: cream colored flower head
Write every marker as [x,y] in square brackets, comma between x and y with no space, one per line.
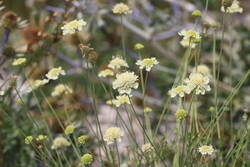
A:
[60,142]
[147,148]
[2,92]
[36,84]
[147,63]
[234,8]
[41,138]
[138,46]
[54,73]
[198,82]
[73,26]
[125,82]
[19,61]
[113,134]
[117,63]
[82,139]
[190,38]
[121,9]
[86,159]
[203,69]
[147,110]
[60,90]
[206,150]
[179,90]
[106,73]
[123,99]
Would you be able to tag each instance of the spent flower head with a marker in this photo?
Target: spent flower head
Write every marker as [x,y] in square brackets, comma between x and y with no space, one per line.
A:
[73,26]
[82,139]
[19,61]
[125,82]
[147,63]
[113,134]
[121,9]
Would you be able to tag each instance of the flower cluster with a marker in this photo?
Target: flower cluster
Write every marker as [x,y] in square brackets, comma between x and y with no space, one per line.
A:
[59,142]
[147,148]
[190,38]
[28,140]
[113,134]
[147,63]
[82,139]
[86,159]
[69,129]
[121,9]
[180,114]
[125,82]
[73,26]
[234,8]
[206,150]
[61,89]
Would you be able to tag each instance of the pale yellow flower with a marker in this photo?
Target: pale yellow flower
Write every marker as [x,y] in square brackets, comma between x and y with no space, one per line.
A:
[41,138]
[86,159]
[36,84]
[199,82]
[180,114]
[61,89]
[113,134]
[147,63]
[121,9]
[73,26]
[139,46]
[54,73]
[179,90]
[147,110]
[117,63]
[206,150]
[82,139]
[121,100]
[190,38]
[69,129]
[59,142]
[125,82]
[2,92]
[203,69]
[28,140]
[234,8]
[105,73]
[19,61]
[146,148]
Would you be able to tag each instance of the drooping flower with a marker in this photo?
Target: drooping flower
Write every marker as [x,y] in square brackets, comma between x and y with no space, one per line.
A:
[117,63]
[59,142]
[125,82]
[73,26]
[147,63]
[179,90]
[61,89]
[123,99]
[28,140]
[121,9]
[19,61]
[206,150]
[234,8]
[54,73]
[190,38]
[198,82]
[113,134]
[82,139]
[69,129]
[147,148]
[106,73]
[86,159]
